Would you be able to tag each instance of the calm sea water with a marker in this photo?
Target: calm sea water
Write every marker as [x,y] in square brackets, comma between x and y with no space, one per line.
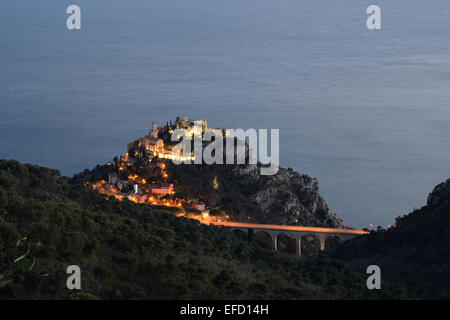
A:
[366,112]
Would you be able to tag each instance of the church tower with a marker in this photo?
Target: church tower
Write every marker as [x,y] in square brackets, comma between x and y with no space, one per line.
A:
[154,131]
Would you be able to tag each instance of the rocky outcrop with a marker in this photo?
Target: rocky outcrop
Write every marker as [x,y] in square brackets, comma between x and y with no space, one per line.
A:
[291,198]
[439,198]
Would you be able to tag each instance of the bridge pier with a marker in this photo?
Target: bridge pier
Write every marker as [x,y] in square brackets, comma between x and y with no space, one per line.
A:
[250,233]
[298,246]
[322,243]
[274,236]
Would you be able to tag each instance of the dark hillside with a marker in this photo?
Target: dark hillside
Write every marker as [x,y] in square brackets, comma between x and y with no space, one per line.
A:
[130,251]
[417,249]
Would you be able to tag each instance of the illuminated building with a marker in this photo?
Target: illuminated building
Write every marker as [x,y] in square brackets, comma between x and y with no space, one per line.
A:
[162,189]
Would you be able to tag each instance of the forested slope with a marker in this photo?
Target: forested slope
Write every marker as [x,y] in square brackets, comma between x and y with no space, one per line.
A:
[130,251]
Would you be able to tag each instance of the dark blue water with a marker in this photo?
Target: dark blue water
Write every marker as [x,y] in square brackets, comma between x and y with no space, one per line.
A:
[367,112]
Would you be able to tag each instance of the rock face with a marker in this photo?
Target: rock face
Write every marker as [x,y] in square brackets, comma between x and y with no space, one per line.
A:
[439,198]
[291,198]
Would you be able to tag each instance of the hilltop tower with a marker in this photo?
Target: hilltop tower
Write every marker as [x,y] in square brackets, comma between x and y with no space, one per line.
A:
[154,131]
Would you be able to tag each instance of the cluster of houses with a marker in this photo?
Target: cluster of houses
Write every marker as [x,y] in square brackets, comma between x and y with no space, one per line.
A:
[137,189]
[156,147]
[133,188]
[123,185]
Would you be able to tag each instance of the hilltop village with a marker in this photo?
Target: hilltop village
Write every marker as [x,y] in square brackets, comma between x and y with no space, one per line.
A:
[141,177]
[210,193]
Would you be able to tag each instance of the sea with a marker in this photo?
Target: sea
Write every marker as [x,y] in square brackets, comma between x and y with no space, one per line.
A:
[367,112]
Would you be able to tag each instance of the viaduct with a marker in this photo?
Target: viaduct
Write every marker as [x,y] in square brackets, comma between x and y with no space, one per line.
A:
[295,232]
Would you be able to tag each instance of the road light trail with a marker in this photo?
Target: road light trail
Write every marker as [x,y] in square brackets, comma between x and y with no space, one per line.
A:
[288,228]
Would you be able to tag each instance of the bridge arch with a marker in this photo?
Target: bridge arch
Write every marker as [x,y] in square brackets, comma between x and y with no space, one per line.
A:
[286,242]
[311,244]
[266,239]
[241,234]
[332,240]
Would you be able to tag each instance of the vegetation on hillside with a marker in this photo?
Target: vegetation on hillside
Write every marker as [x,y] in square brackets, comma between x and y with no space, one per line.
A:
[416,251]
[131,251]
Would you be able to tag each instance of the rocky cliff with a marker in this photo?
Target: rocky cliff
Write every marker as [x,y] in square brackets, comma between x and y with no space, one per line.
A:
[289,197]
[439,198]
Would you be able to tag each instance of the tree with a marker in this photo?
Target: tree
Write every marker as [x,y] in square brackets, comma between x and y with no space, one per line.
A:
[3,199]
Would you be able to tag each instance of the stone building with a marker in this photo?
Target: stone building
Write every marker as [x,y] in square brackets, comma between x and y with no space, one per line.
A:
[151,142]
[162,189]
